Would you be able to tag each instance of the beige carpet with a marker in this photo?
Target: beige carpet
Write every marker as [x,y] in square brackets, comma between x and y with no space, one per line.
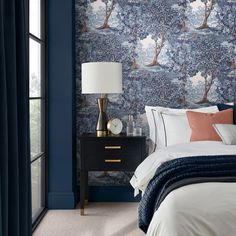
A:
[100,219]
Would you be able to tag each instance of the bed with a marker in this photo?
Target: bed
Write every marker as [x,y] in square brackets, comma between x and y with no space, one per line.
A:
[197,200]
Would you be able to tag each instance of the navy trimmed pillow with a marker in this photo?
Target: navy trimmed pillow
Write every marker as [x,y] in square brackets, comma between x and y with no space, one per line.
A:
[222,107]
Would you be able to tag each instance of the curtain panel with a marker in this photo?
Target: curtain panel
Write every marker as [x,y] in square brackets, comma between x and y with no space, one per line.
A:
[15,187]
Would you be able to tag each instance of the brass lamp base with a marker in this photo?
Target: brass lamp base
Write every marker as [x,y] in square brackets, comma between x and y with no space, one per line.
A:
[101,133]
[102,117]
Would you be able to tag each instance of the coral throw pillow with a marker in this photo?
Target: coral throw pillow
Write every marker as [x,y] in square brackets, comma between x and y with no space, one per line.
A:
[201,124]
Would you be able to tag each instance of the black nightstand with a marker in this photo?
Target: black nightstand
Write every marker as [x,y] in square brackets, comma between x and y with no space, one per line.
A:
[110,153]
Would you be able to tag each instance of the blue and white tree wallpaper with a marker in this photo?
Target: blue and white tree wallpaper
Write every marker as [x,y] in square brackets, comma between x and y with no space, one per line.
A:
[175,53]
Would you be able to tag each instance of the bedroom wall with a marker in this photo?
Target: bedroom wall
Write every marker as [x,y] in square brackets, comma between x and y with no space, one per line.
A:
[61,96]
[175,53]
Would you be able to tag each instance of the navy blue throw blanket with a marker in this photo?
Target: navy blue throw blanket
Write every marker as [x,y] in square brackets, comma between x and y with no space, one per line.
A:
[180,172]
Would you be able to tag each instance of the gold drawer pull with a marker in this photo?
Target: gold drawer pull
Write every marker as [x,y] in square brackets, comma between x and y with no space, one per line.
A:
[112,147]
[113,161]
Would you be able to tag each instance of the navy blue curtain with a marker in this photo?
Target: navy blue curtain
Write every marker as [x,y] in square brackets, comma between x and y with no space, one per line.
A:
[15,187]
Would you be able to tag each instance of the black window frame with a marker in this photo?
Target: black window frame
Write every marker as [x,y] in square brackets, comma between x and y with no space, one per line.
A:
[42,40]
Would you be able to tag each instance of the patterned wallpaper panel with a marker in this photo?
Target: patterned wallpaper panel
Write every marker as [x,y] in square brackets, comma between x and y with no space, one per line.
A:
[175,53]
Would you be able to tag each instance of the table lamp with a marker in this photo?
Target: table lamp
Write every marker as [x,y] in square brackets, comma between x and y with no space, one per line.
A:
[101,78]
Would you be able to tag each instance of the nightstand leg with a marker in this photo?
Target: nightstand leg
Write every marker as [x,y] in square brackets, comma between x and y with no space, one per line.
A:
[82,191]
[82,212]
[86,188]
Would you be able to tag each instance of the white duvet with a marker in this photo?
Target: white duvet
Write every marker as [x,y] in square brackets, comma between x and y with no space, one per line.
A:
[206,209]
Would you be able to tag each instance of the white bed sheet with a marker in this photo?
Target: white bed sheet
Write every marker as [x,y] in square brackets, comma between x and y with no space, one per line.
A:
[206,209]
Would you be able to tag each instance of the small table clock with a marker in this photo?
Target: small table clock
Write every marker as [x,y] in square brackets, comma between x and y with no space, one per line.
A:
[115,126]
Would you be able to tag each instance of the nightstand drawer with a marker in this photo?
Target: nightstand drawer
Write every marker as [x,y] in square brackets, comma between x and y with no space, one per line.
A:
[115,162]
[111,147]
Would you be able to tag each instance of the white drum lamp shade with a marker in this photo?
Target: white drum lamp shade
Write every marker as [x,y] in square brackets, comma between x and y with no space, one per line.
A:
[101,77]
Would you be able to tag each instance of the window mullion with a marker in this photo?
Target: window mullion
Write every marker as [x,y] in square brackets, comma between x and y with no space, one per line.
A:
[35,98]
[36,39]
[35,158]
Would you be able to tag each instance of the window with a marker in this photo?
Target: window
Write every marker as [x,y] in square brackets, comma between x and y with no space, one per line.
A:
[37,101]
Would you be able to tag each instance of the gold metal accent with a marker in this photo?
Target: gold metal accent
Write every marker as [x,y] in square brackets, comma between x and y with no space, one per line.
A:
[112,147]
[82,212]
[112,161]
[102,117]
[101,133]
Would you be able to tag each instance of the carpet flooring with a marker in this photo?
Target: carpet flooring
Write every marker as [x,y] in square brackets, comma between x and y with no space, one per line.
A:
[100,219]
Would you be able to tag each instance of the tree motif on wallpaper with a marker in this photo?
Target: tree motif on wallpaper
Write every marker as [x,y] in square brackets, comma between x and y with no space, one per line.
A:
[159,44]
[209,6]
[109,7]
[130,16]
[209,56]
[160,20]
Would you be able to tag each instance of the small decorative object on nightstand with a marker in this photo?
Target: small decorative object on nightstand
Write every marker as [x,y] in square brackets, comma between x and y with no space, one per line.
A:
[114,126]
[108,153]
[130,125]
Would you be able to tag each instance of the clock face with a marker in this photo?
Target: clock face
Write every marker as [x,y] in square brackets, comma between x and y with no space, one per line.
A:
[115,126]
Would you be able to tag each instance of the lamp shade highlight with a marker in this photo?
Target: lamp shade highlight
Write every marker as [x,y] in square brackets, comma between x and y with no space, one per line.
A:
[101,77]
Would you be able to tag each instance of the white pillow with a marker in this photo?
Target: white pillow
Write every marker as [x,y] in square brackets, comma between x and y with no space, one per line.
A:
[227,133]
[176,128]
[158,136]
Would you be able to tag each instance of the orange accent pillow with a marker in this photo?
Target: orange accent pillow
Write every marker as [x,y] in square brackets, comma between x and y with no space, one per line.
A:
[201,124]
